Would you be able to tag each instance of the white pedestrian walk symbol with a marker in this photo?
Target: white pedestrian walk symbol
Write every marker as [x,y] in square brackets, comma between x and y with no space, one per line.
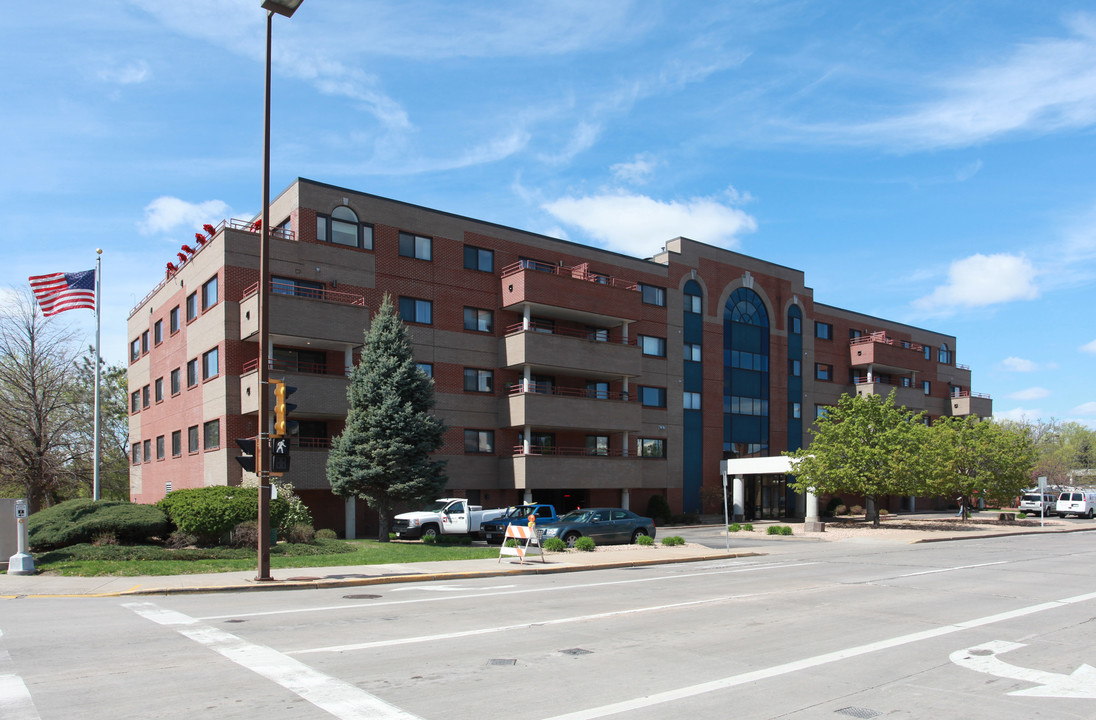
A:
[281,447]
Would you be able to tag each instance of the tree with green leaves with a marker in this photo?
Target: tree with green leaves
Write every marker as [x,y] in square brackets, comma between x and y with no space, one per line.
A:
[974,458]
[113,430]
[865,445]
[384,454]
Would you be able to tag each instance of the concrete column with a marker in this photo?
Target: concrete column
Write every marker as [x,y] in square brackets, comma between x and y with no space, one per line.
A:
[351,510]
[738,499]
[811,523]
[528,498]
[526,441]
[913,501]
[526,317]
[625,439]
[348,358]
[527,380]
[624,497]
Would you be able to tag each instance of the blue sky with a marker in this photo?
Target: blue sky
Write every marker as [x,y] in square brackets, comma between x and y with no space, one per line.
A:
[928,162]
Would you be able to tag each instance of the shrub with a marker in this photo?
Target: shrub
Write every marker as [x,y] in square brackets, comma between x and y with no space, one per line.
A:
[884,512]
[82,520]
[658,509]
[786,530]
[429,539]
[856,510]
[104,538]
[510,543]
[833,505]
[673,540]
[297,512]
[778,530]
[1021,516]
[300,533]
[328,534]
[841,510]
[245,534]
[585,544]
[748,527]
[645,540]
[734,527]
[555,545]
[211,513]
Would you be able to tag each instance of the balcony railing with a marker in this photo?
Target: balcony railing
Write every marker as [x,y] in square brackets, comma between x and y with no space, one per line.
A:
[532,388]
[297,368]
[590,335]
[968,393]
[568,452]
[571,271]
[882,338]
[311,443]
[279,287]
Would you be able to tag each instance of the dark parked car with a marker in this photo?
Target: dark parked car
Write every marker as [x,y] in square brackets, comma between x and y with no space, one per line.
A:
[605,525]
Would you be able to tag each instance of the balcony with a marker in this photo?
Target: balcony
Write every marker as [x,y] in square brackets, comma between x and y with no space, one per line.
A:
[570,352]
[964,402]
[299,312]
[570,292]
[911,398]
[886,353]
[554,408]
[321,390]
[559,469]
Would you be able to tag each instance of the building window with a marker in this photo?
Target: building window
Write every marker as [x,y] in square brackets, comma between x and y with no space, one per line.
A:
[479,441]
[928,352]
[693,303]
[191,306]
[341,227]
[756,407]
[479,380]
[746,360]
[297,288]
[416,311]
[823,331]
[652,447]
[795,368]
[795,325]
[192,372]
[209,293]
[158,332]
[654,346]
[146,448]
[653,295]
[427,368]
[176,443]
[596,334]
[853,334]
[146,396]
[597,444]
[692,351]
[597,389]
[926,386]
[479,259]
[823,371]
[211,433]
[192,439]
[652,396]
[479,320]
[159,389]
[159,447]
[210,366]
[175,382]
[144,342]
[135,401]
[173,320]
[135,350]
[416,246]
[540,442]
[944,355]
[795,410]
[135,454]
[691,400]
[820,411]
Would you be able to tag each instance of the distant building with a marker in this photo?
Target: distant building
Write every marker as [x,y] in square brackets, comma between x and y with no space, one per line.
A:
[566,373]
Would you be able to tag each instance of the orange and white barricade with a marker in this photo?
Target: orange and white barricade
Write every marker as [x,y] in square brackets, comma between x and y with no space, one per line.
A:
[527,542]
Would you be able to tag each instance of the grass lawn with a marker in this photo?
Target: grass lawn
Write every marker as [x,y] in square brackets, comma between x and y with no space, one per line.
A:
[126,560]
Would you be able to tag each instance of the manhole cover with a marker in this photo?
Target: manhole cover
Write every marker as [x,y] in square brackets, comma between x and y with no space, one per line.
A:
[360,597]
[858,712]
[502,661]
[302,579]
[235,621]
[576,651]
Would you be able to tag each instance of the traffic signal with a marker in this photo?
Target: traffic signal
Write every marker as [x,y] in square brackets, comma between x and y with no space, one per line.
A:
[282,423]
[247,460]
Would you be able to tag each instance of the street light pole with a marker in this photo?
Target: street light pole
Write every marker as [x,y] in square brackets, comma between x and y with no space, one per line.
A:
[262,452]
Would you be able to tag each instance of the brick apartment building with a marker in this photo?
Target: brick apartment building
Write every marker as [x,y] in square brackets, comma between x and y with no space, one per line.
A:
[565,373]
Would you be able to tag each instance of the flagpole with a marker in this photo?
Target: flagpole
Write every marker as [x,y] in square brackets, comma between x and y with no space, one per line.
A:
[98,363]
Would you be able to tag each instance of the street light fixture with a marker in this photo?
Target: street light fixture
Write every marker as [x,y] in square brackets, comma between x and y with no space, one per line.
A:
[285,8]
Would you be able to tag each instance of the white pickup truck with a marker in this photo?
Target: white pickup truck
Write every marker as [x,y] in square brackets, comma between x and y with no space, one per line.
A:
[447,516]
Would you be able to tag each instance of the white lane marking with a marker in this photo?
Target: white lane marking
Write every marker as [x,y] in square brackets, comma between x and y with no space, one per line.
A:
[15,698]
[958,567]
[519,626]
[1081,683]
[339,698]
[555,588]
[807,663]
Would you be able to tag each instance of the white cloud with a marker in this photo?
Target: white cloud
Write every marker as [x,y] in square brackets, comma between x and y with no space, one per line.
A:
[968,171]
[1019,414]
[1033,393]
[637,171]
[1015,364]
[1089,348]
[129,74]
[167,214]
[1088,408]
[639,225]
[981,280]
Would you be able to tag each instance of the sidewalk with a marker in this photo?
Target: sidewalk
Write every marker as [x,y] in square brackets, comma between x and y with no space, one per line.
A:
[29,586]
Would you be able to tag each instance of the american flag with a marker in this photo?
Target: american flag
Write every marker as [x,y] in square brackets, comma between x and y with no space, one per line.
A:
[58,292]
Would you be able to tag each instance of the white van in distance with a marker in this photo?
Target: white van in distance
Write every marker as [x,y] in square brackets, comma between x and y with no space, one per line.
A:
[1081,503]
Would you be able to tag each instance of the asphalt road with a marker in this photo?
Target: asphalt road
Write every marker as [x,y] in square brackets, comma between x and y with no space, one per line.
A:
[996,628]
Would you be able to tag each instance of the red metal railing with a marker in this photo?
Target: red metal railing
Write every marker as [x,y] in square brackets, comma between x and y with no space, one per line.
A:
[881,337]
[568,452]
[298,368]
[589,335]
[520,388]
[968,393]
[570,271]
[308,443]
[280,287]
